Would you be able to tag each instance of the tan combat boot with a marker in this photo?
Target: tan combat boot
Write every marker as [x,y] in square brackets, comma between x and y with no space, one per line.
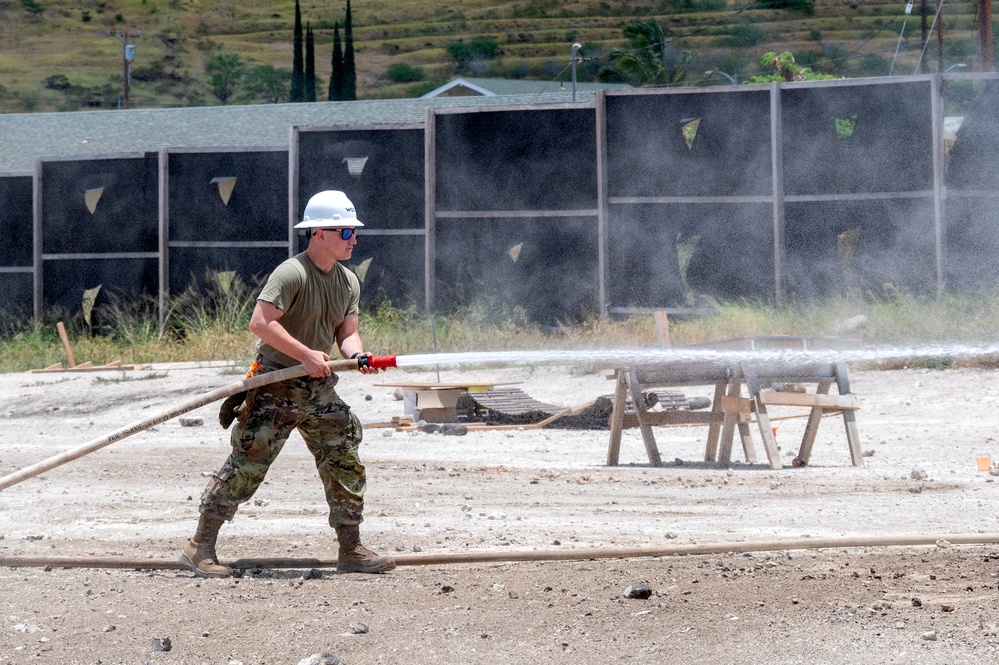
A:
[356,558]
[199,553]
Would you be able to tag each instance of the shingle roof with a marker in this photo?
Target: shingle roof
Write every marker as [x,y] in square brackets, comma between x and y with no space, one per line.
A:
[26,136]
[485,86]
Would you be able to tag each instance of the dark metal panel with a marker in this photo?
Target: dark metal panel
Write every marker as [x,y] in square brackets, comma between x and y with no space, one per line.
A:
[121,280]
[386,187]
[123,192]
[860,247]
[193,266]
[649,153]
[102,210]
[859,138]
[724,251]
[15,220]
[546,267]
[233,195]
[541,159]
[392,269]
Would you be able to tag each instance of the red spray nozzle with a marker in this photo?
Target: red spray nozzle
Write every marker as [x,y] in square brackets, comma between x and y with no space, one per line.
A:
[378,362]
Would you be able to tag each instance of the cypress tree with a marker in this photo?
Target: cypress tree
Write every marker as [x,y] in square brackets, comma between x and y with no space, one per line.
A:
[297,69]
[349,74]
[336,79]
[310,64]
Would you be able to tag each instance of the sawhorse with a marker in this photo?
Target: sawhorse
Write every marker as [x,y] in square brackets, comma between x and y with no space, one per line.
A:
[730,410]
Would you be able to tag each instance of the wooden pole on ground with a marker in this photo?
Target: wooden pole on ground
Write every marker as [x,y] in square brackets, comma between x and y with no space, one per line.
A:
[528,555]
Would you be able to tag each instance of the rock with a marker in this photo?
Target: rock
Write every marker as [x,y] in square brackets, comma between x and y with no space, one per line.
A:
[454,429]
[429,428]
[919,474]
[929,636]
[672,535]
[323,658]
[943,544]
[359,628]
[917,488]
[368,398]
[192,421]
[868,453]
[162,644]
[916,602]
[639,591]
[397,394]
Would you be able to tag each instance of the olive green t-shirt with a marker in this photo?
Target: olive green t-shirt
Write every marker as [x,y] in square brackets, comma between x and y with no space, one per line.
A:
[314,304]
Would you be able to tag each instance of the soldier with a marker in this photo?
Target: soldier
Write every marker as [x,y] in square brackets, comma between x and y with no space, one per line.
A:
[308,304]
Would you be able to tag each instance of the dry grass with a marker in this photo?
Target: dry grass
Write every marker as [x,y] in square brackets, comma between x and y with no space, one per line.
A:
[898,320]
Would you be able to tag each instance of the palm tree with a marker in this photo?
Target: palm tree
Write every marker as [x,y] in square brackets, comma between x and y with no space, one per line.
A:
[649,60]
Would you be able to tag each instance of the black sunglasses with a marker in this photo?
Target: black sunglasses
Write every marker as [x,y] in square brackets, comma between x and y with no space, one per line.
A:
[345,234]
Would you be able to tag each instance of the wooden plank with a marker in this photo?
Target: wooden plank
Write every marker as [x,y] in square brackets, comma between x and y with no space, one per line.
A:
[667,418]
[648,437]
[714,429]
[812,427]
[849,417]
[662,329]
[763,419]
[430,207]
[724,457]
[838,402]
[617,420]
[603,251]
[64,338]
[736,404]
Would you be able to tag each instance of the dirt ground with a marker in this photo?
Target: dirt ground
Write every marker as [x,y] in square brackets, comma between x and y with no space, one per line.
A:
[504,491]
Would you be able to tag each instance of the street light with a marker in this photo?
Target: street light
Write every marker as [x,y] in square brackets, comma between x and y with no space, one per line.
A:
[128,55]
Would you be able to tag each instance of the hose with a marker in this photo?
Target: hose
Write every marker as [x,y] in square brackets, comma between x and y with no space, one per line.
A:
[219,393]
[444,559]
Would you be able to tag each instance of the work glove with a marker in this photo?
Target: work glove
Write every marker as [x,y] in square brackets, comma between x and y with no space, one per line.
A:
[234,405]
[231,407]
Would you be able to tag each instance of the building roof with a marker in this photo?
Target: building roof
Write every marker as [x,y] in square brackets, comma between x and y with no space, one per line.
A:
[487,87]
[28,136]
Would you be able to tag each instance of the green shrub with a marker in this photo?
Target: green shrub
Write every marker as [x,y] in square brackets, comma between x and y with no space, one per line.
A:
[404,73]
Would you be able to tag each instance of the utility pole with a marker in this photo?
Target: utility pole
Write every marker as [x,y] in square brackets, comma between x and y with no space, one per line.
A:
[940,37]
[986,58]
[127,56]
[924,68]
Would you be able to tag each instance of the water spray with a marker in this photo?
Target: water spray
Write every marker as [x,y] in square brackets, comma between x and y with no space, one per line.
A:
[679,359]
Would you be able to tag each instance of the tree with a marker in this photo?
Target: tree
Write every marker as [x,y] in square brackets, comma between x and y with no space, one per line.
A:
[349,73]
[649,60]
[266,83]
[336,78]
[310,64]
[297,68]
[783,68]
[225,70]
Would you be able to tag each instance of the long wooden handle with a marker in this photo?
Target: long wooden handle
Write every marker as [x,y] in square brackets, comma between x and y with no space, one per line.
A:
[173,412]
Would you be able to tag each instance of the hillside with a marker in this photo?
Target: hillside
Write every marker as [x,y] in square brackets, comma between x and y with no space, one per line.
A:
[57,55]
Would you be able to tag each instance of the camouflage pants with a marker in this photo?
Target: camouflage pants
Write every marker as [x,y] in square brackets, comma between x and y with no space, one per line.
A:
[331,432]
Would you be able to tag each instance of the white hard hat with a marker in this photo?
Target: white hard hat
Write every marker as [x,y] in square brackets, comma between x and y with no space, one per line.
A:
[329,209]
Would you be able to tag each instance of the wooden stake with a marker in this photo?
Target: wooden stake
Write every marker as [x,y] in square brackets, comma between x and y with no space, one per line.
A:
[65,343]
